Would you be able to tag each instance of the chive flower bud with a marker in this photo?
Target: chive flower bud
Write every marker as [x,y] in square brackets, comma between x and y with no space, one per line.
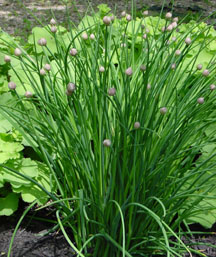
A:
[128,17]
[142,67]
[212,87]
[163,29]
[92,36]
[107,143]
[199,67]
[174,24]
[28,94]
[11,85]
[42,72]
[71,87]
[169,28]
[173,38]
[7,59]
[188,41]
[163,110]
[175,19]
[206,73]
[53,29]
[178,52]
[106,20]
[73,52]
[42,42]
[129,71]
[145,13]
[137,125]
[173,66]
[47,67]
[200,100]
[111,91]
[53,21]
[148,87]
[144,36]
[17,52]
[147,30]
[123,14]
[101,69]
[169,15]
[85,36]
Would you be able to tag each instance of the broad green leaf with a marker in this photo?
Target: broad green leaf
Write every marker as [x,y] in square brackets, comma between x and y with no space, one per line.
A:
[9,204]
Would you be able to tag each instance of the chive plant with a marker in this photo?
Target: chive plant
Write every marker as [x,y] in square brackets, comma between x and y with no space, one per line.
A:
[119,128]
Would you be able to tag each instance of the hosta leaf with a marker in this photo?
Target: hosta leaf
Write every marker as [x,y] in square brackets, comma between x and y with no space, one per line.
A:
[9,204]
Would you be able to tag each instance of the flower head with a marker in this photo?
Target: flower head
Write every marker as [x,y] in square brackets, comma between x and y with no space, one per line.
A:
[101,69]
[28,94]
[42,42]
[106,20]
[53,21]
[7,58]
[168,15]
[85,36]
[42,72]
[53,29]
[92,36]
[163,110]
[212,87]
[47,67]
[145,13]
[206,73]
[17,52]
[188,41]
[200,100]
[111,91]
[129,71]
[199,67]
[11,85]
[107,143]
[137,125]
[73,52]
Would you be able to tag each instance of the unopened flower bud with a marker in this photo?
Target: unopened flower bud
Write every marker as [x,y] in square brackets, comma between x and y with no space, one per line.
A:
[200,100]
[92,36]
[42,42]
[71,87]
[144,36]
[137,125]
[123,45]
[128,17]
[42,72]
[73,52]
[129,71]
[53,29]
[206,73]
[148,87]
[53,21]
[106,20]
[85,36]
[17,52]
[11,85]
[212,87]
[163,110]
[147,30]
[173,38]
[107,143]
[178,52]
[101,69]
[169,28]
[123,14]
[111,91]
[188,41]
[47,67]
[169,15]
[173,66]
[175,19]
[28,94]
[142,67]
[145,13]
[199,67]
[174,24]
[163,29]
[7,58]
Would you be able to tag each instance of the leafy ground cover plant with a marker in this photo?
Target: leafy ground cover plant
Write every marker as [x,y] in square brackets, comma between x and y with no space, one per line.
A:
[121,113]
